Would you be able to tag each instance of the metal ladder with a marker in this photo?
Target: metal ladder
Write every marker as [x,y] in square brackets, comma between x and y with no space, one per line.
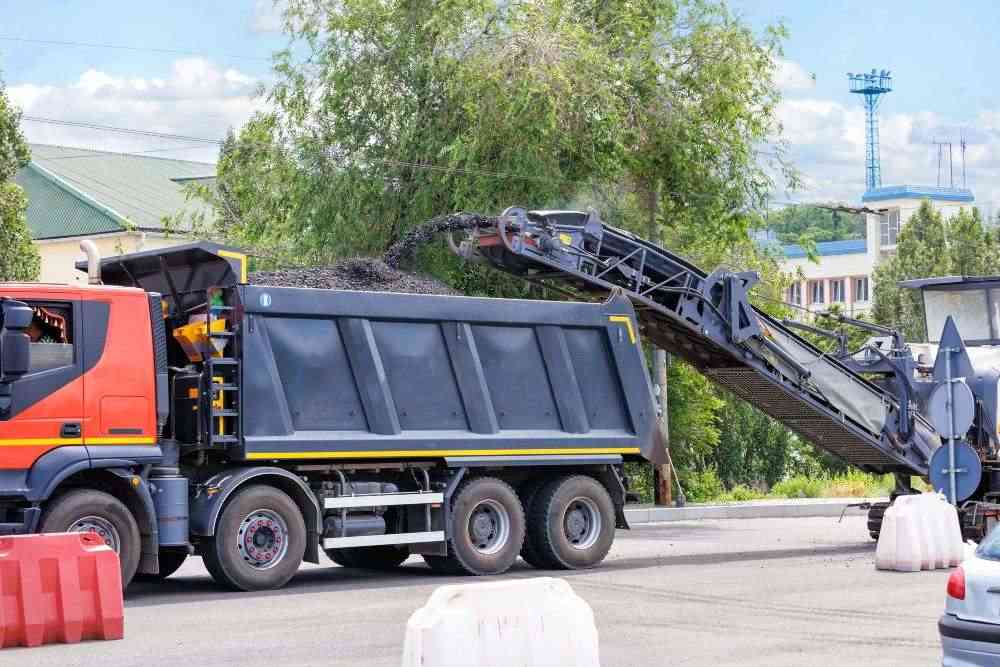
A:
[221,378]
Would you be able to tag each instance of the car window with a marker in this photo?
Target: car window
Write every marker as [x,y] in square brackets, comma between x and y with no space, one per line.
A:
[51,334]
[990,546]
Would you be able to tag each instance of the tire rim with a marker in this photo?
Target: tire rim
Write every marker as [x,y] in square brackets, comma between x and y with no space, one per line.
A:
[582,523]
[262,539]
[489,527]
[100,527]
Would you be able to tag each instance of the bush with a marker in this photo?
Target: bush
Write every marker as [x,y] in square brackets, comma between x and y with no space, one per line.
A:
[701,486]
[799,487]
[741,493]
[857,484]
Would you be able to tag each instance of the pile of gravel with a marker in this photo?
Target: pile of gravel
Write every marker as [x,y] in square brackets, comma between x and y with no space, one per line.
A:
[378,275]
[357,273]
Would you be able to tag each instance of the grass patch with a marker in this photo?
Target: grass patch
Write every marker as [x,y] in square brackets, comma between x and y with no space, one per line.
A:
[705,487]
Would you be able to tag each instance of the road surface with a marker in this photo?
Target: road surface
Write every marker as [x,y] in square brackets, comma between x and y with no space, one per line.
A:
[712,592]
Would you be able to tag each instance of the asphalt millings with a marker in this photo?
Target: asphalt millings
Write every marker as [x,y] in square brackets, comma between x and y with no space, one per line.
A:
[357,273]
[378,275]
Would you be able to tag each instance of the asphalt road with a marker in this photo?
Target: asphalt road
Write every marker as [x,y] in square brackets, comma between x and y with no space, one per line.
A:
[741,592]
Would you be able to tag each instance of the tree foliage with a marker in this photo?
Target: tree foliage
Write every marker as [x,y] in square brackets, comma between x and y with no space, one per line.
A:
[385,113]
[795,224]
[927,246]
[19,258]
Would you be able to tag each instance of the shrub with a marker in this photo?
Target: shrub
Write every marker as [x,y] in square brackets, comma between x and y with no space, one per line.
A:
[741,493]
[857,484]
[799,487]
[701,486]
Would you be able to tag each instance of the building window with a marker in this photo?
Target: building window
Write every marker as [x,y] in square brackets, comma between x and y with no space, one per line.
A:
[889,225]
[816,294]
[837,291]
[861,288]
[795,294]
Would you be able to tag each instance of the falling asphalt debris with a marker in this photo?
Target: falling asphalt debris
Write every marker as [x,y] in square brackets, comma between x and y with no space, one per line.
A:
[377,275]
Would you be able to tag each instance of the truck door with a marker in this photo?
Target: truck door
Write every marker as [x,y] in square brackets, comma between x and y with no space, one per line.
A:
[47,407]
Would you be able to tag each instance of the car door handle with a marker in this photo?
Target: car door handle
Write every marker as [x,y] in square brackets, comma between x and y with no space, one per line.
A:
[70,430]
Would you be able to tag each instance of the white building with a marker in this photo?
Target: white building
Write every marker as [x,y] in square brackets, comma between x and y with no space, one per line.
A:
[844,270]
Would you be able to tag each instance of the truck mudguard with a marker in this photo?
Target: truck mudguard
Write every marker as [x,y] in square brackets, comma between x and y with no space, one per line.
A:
[211,495]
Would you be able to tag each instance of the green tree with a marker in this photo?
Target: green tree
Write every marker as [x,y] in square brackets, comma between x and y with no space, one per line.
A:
[18,256]
[971,248]
[794,224]
[921,252]
[387,112]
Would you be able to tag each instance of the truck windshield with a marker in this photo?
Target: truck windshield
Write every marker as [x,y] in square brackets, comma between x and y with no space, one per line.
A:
[970,308]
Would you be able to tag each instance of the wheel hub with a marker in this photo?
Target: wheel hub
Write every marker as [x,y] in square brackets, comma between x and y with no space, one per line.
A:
[263,539]
[100,527]
[489,527]
[582,523]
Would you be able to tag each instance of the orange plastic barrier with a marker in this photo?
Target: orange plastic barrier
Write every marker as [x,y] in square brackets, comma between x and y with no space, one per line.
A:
[59,587]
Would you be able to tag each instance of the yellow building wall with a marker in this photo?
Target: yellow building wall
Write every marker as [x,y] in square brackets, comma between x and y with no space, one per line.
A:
[60,256]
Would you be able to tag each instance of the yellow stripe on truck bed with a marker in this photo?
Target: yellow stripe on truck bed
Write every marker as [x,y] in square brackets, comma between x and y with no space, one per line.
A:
[436,453]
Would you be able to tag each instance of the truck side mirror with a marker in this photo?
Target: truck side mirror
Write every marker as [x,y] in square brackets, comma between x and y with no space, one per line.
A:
[15,346]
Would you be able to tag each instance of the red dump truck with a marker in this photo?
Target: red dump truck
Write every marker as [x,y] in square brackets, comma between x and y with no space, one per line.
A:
[176,410]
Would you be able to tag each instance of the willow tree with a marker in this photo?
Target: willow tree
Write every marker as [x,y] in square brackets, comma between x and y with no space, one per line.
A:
[18,256]
[384,113]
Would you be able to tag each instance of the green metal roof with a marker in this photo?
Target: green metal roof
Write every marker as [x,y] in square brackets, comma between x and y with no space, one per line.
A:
[79,192]
[53,212]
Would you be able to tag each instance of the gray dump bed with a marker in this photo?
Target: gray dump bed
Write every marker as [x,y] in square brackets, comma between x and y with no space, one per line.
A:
[365,375]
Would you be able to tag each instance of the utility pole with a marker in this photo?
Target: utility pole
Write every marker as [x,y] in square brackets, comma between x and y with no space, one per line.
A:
[662,479]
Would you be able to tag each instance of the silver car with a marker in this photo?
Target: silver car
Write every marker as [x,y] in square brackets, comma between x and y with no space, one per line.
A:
[970,625]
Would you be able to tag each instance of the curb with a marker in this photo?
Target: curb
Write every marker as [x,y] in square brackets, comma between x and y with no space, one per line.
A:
[783,509]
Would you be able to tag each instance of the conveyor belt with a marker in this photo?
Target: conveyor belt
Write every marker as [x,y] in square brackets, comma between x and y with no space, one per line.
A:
[707,320]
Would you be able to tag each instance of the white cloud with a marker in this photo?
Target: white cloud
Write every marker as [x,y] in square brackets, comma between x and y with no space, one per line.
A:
[267,15]
[791,76]
[198,99]
[827,145]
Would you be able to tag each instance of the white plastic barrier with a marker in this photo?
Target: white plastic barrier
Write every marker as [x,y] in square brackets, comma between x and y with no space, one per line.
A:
[537,622]
[919,532]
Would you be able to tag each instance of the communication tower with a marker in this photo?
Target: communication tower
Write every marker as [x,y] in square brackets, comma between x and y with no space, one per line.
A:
[873,86]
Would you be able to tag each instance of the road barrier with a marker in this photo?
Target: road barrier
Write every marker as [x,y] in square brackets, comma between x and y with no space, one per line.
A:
[537,622]
[919,532]
[59,587]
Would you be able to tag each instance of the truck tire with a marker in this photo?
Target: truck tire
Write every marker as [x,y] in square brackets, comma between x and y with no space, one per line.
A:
[87,510]
[170,561]
[381,557]
[528,493]
[260,538]
[487,529]
[572,523]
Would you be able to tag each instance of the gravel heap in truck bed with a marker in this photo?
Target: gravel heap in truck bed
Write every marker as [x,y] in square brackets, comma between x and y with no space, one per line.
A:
[357,273]
[378,275]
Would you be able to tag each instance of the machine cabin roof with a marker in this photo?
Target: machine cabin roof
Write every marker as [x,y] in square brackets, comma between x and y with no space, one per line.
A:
[973,302]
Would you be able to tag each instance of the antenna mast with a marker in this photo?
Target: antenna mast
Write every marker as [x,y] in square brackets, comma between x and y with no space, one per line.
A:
[872,86]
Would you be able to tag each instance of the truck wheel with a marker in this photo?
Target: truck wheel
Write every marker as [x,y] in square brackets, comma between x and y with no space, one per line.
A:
[572,523]
[528,493]
[89,511]
[170,561]
[487,523]
[381,557]
[260,538]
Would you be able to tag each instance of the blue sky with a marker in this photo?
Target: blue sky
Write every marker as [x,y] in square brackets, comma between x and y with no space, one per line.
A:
[943,59]
[943,55]
[203,28]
